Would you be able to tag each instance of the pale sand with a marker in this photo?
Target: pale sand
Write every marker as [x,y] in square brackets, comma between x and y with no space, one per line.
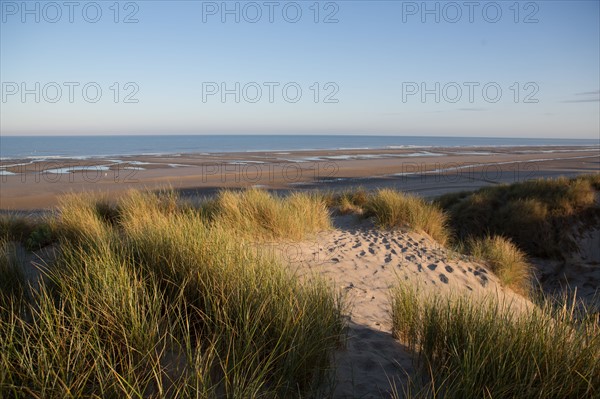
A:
[427,172]
[366,262]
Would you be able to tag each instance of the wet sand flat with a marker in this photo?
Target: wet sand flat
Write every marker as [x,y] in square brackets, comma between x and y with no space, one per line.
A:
[28,184]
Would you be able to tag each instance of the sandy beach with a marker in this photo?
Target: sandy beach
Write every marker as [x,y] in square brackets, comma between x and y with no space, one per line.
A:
[29,184]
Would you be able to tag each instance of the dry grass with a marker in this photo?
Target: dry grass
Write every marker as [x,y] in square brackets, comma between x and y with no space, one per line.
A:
[156,301]
[259,214]
[505,260]
[475,349]
[394,209]
[536,215]
[33,232]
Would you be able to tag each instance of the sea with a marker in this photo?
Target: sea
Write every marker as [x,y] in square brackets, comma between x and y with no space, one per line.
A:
[48,147]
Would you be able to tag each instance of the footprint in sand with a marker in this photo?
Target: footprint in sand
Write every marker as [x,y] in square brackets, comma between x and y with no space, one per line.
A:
[483,280]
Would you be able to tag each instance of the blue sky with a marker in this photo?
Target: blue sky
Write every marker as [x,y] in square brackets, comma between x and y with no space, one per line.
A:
[371,66]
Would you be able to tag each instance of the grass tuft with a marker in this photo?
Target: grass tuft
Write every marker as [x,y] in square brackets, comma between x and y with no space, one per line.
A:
[148,298]
[469,348]
[394,209]
[536,215]
[505,260]
[261,215]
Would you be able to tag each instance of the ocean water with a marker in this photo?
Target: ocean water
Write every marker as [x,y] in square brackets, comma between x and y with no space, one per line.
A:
[39,147]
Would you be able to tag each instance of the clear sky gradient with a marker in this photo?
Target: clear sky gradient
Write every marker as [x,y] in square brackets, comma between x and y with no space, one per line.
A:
[371,62]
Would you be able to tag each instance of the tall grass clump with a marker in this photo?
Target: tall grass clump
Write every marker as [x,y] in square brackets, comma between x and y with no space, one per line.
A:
[536,215]
[394,209]
[12,278]
[14,227]
[267,321]
[31,231]
[79,220]
[157,301]
[259,214]
[473,349]
[505,260]
[351,201]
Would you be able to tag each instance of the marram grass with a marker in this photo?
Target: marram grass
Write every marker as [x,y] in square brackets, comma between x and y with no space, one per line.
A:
[394,209]
[260,215]
[158,300]
[505,260]
[537,215]
[481,348]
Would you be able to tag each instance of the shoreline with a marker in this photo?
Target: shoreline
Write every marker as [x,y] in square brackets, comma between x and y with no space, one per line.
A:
[34,184]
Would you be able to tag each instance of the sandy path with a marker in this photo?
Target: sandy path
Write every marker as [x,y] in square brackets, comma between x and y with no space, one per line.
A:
[365,263]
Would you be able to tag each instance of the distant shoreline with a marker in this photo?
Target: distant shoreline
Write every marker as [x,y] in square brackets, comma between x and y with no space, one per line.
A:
[27,184]
[85,147]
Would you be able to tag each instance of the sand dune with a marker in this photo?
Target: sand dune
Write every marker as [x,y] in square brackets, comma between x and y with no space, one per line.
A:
[365,262]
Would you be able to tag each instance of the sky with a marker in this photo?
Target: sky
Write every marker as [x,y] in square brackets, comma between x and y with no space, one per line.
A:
[465,68]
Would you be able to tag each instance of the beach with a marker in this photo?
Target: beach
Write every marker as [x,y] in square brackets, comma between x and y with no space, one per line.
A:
[347,284]
[30,184]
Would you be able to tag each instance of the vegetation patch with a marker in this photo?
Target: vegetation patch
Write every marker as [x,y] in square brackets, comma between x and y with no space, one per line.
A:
[475,349]
[394,209]
[537,216]
[259,214]
[160,300]
[505,260]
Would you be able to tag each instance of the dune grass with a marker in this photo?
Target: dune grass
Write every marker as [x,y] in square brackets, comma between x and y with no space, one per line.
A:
[259,214]
[350,201]
[394,209]
[475,349]
[12,279]
[158,300]
[150,297]
[505,260]
[536,215]
[34,233]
